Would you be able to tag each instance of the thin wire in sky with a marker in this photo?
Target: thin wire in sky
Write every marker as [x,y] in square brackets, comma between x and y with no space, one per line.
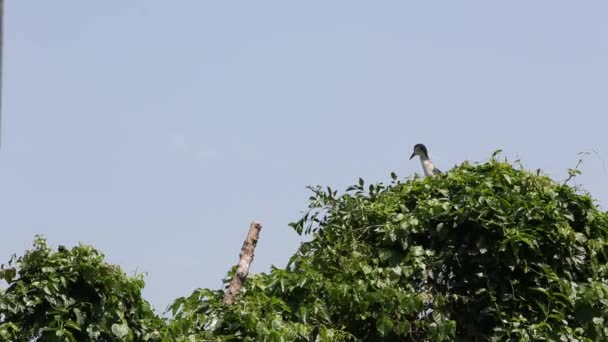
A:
[1,52]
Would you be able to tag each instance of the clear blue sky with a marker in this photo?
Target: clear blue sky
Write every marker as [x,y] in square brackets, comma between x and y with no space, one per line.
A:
[156,131]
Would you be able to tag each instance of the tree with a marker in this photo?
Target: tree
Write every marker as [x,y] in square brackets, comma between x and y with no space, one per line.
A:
[73,295]
[483,252]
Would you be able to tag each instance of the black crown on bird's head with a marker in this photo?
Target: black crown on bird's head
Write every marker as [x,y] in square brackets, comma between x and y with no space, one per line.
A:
[420,150]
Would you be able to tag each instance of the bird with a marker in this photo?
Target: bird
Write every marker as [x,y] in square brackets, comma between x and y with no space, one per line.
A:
[427,164]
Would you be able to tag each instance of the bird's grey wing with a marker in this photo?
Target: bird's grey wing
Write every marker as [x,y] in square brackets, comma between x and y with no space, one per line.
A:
[436,171]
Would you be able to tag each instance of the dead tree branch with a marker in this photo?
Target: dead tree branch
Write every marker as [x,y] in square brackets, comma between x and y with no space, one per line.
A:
[245,259]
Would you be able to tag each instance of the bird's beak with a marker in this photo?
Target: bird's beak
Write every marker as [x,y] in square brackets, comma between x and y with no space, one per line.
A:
[413,155]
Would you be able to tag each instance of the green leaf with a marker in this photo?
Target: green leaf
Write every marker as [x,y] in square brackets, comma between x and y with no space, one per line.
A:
[73,325]
[120,330]
[384,326]
[8,274]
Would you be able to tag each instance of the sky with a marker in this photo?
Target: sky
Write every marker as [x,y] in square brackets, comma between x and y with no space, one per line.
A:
[157,131]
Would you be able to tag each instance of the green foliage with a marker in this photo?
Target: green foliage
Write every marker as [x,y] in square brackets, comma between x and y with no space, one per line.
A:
[72,295]
[483,252]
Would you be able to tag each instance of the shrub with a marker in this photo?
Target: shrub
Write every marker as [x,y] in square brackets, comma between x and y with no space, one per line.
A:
[73,295]
[482,252]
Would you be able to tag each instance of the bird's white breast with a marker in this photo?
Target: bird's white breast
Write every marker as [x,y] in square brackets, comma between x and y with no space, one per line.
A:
[427,166]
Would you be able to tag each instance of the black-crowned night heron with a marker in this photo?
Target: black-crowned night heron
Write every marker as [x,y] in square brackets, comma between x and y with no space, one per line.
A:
[427,164]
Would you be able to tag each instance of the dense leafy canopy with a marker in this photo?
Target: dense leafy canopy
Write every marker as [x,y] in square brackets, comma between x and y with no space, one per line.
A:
[72,295]
[482,252]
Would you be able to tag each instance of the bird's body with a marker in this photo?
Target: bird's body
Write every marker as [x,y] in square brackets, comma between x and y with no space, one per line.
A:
[428,167]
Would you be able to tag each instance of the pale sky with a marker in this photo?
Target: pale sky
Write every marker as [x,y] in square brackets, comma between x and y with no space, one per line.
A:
[156,131]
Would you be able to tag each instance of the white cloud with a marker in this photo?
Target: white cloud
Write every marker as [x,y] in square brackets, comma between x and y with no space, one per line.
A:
[179,142]
[197,151]
[207,154]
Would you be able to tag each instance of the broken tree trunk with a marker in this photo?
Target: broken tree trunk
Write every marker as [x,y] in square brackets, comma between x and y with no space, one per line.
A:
[245,259]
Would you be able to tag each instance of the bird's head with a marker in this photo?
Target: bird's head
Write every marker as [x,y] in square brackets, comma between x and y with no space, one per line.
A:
[420,150]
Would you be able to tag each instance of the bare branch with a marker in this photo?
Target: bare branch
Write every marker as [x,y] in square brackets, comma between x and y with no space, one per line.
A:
[245,259]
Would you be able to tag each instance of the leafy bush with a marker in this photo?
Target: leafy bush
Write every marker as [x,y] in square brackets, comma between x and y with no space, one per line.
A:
[72,295]
[483,252]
